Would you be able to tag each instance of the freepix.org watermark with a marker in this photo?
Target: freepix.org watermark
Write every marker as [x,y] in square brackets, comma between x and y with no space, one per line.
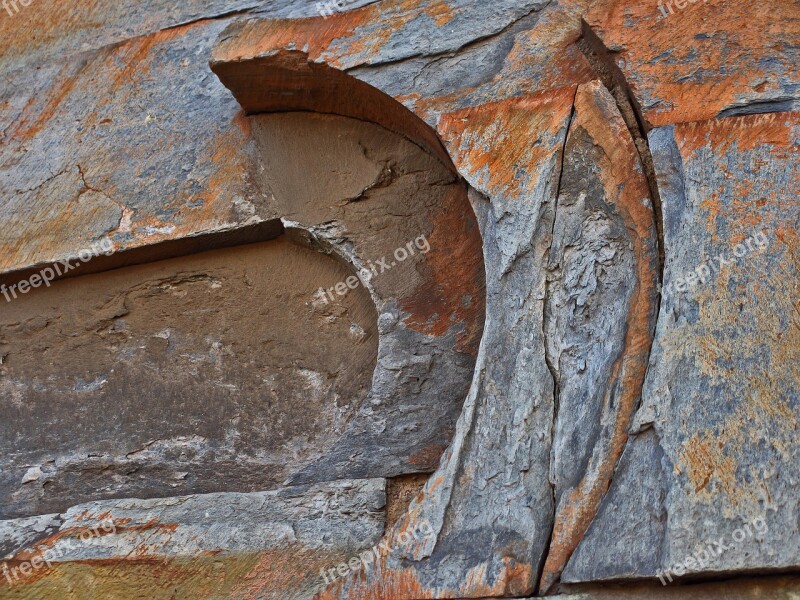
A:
[356,563]
[711,550]
[371,270]
[688,281]
[26,568]
[680,4]
[47,275]
[12,6]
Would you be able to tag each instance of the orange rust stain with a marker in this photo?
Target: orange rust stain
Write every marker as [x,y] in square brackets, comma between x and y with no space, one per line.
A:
[454,289]
[704,457]
[691,65]
[363,31]
[435,483]
[735,199]
[503,145]
[50,542]
[29,125]
[313,36]
[441,13]
[745,133]
[625,186]
[383,582]
[244,124]
[284,572]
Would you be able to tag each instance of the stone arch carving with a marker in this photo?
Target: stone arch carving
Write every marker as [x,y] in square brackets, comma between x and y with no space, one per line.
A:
[396,233]
[500,513]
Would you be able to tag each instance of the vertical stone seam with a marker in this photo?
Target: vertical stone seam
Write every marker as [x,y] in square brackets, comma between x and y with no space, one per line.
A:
[545,322]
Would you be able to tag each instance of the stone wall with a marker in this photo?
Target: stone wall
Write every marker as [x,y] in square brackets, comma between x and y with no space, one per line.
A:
[407,299]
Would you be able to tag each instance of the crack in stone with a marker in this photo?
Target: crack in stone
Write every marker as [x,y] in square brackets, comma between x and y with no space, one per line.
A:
[545,328]
[600,59]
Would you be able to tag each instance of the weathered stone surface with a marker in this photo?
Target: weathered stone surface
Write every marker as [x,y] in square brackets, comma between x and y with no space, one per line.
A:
[719,470]
[291,64]
[117,128]
[313,527]
[58,29]
[600,313]
[100,146]
[384,390]
[18,533]
[705,59]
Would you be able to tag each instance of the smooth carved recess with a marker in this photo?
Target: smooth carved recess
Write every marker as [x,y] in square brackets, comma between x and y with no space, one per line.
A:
[389,208]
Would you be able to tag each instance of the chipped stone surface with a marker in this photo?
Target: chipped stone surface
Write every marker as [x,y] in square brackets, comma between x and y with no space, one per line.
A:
[600,314]
[331,522]
[18,533]
[721,393]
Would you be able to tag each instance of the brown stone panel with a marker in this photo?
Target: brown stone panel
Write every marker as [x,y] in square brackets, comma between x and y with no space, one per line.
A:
[690,60]
[774,588]
[214,372]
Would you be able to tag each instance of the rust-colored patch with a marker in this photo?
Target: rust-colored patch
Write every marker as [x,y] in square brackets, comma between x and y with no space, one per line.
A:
[31,121]
[428,456]
[704,458]
[400,491]
[696,62]
[152,578]
[404,584]
[494,144]
[744,133]
[454,292]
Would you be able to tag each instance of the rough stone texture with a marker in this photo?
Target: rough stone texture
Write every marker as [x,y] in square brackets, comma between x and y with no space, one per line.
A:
[385,388]
[68,28]
[99,145]
[600,314]
[256,60]
[311,526]
[492,87]
[721,393]
[373,197]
